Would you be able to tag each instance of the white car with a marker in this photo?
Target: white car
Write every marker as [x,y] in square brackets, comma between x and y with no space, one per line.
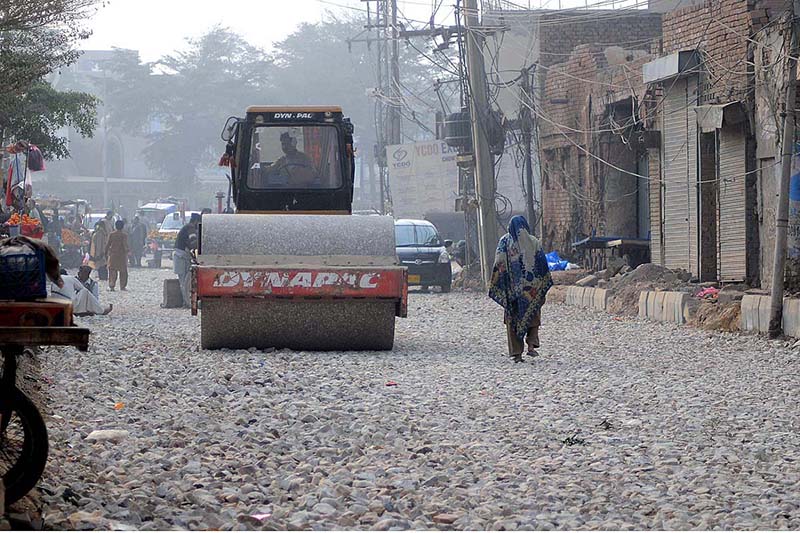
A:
[90,220]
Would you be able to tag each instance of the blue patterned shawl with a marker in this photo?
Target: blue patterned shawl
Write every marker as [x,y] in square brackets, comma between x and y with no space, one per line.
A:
[520,278]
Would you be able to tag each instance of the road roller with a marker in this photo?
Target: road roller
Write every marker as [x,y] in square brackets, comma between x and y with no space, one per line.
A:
[290,266]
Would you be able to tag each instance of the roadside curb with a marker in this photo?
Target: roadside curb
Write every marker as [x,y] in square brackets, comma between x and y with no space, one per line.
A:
[679,308]
[587,297]
[756,311]
[667,306]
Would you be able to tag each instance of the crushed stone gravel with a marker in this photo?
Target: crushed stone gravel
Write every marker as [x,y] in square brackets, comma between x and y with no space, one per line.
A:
[619,424]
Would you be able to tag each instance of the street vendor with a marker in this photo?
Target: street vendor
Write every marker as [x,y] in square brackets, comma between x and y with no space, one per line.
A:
[36,212]
[77,225]
[14,182]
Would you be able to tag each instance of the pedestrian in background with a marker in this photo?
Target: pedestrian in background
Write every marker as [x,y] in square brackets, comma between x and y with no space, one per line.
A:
[182,255]
[520,281]
[137,235]
[117,253]
[109,222]
[97,250]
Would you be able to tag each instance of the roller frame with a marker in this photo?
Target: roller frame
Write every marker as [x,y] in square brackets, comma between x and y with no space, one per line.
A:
[301,282]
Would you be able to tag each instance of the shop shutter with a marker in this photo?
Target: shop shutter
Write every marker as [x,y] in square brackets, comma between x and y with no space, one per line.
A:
[732,250]
[679,171]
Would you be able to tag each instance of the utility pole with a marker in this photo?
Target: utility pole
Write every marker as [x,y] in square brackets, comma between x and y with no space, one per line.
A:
[483,159]
[526,103]
[782,216]
[394,60]
[389,101]
[380,153]
[105,139]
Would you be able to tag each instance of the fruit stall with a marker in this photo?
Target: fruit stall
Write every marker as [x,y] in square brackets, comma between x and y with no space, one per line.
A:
[23,225]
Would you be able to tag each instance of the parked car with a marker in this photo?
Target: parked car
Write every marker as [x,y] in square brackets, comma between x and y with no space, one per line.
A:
[422,251]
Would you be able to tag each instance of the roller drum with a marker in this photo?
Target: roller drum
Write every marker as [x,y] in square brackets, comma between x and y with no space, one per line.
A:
[298,235]
[296,324]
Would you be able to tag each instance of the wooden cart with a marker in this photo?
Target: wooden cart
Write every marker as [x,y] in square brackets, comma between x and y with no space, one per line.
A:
[23,434]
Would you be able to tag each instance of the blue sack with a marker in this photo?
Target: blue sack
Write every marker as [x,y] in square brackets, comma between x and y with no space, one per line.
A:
[554,262]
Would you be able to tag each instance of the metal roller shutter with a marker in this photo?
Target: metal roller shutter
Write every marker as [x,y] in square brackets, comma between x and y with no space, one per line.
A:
[680,175]
[656,243]
[732,251]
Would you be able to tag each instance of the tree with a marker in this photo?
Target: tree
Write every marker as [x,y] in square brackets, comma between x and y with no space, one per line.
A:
[27,15]
[41,111]
[132,94]
[190,95]
[36,38]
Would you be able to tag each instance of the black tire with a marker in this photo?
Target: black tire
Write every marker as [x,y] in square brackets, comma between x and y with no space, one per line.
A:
[22,463]
[446,288]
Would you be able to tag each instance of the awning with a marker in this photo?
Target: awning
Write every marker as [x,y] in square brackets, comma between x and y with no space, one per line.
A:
[671,66]
[711,117]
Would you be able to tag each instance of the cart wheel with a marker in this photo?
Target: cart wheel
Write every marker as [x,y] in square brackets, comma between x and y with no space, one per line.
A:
[23,446]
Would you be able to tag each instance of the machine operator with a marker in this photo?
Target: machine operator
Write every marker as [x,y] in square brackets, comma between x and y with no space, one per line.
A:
[296,166]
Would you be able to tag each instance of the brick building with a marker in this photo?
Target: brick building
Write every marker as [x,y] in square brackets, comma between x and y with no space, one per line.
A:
[590,136]
[561,32]
[705,172]
[542,40]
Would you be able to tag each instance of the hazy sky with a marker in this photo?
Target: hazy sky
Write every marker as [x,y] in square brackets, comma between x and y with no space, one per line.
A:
[158,27]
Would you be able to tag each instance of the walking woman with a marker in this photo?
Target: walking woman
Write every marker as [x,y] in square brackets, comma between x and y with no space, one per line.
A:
[520,281]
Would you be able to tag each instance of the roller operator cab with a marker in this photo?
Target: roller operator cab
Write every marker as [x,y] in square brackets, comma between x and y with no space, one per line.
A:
[292,268]
[291,159]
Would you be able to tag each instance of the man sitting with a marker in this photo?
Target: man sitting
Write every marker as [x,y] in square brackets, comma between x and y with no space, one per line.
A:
[84,301]
[89,283]
[296,167]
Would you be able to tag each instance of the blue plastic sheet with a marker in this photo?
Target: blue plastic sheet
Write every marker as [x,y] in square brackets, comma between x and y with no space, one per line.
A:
[554,262]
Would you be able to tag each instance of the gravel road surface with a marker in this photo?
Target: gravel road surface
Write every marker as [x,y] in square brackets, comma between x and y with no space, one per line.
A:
[619,424]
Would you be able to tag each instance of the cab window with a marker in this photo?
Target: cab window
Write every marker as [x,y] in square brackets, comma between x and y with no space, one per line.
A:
[297,157]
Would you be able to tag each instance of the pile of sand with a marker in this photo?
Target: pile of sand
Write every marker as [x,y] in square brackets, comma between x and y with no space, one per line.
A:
[718,316]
